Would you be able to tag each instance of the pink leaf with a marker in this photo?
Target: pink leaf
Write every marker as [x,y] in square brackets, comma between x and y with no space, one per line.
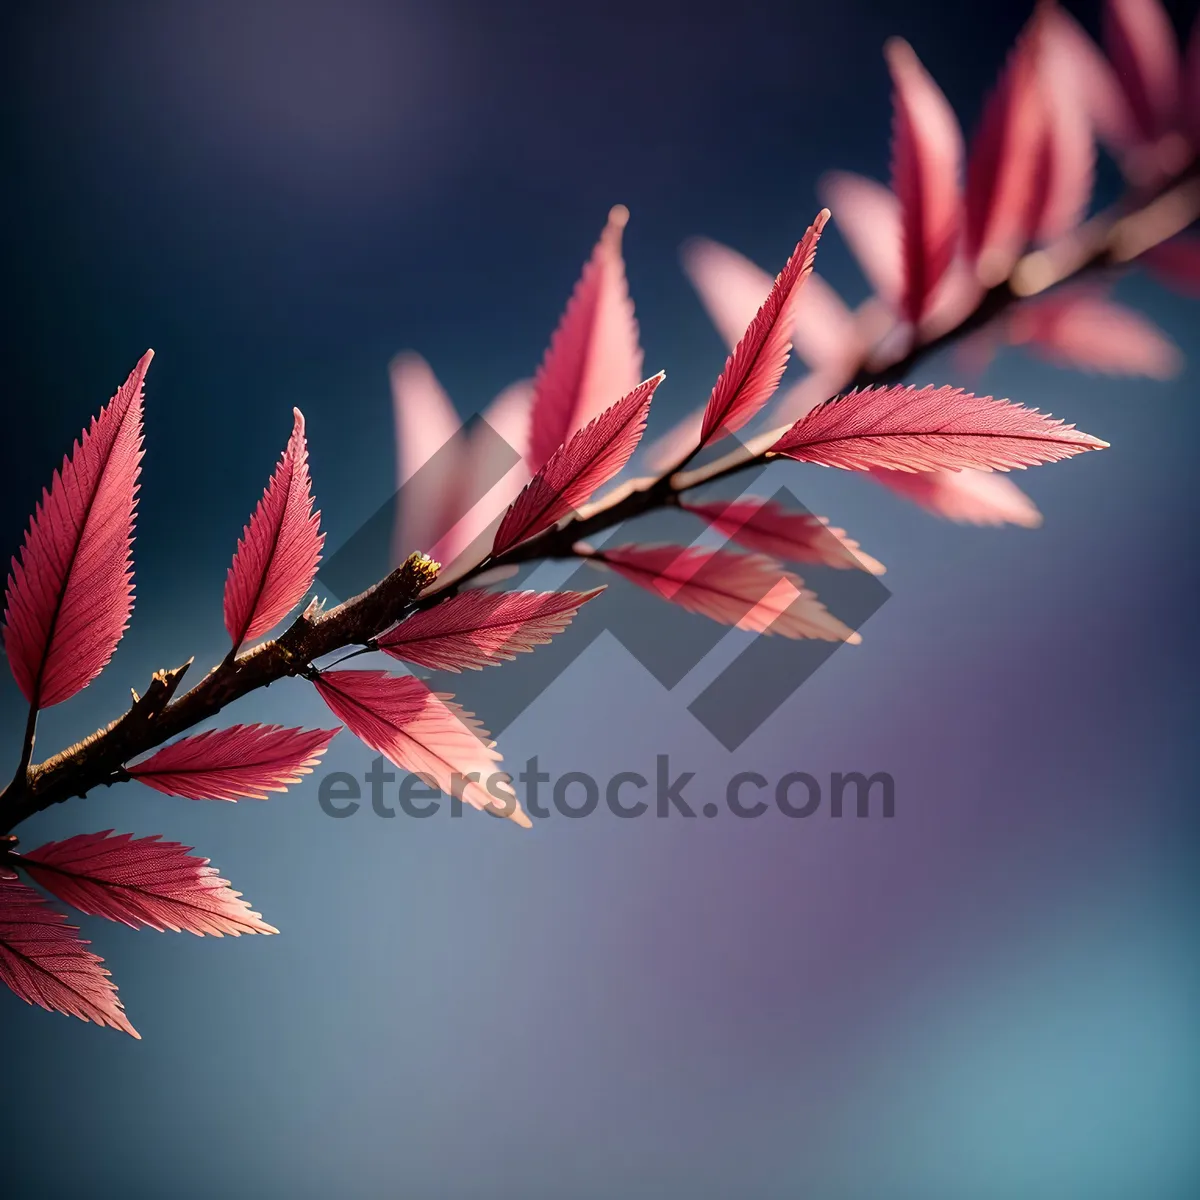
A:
[479,629]
[968,497]
[763,525]
[752,372]
[70,592]
[1092,78]
[1080,328]
[1004,170]
[594,357]
[1176,263]
[1141,44]
[277,554]
[574,471]
[470,538]
[732,289]
[227,764]
[868,216]
[142,882]
[427,428]
[927,429]
[422,732]
[749,591]
[45,962]
[926,166]
[1066,160]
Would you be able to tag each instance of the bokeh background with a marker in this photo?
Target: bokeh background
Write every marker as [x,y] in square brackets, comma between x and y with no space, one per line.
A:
[993,994]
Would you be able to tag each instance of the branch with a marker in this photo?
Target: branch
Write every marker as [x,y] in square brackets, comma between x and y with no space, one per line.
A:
[157,716]
[1107,241]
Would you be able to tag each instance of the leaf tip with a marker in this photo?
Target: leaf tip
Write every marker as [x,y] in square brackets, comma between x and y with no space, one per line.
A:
[898,53]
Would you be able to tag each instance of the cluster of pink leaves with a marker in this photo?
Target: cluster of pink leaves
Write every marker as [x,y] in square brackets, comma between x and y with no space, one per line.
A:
[575,427]
[957,217]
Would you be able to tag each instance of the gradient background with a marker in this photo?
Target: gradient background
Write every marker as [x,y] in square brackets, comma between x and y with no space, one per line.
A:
[992,995]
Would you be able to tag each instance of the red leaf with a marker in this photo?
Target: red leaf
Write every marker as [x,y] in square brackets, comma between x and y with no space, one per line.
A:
[764,525]
[926,165]
[142,882]
[589,460]
[422,732]
[1004,171]
[926,429]
[241,761]
[868,215]
[732,289]
[1176,263]
[45,962]
[1141,44]
[277,554]
[752,372]
[749,591]
[479,629]
[1080,328]
[594,357]
[968,497]
[71,591]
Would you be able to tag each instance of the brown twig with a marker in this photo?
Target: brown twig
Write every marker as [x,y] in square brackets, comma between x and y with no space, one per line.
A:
[1106,241]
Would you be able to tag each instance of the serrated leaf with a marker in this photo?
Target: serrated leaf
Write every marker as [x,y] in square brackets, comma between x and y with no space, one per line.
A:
[421,731]
[733,289]
[46,962]
[277,554]
[588,461]
[926,429]
[479,629]
[749,591]
[142,882]
[765,525]
[243,761]
[752,372]
[594,357]
[70,591]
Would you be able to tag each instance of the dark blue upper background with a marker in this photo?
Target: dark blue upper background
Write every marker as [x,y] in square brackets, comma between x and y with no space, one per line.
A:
[992,995]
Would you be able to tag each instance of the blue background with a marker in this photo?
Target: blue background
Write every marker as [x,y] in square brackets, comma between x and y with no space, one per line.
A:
[994,994]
